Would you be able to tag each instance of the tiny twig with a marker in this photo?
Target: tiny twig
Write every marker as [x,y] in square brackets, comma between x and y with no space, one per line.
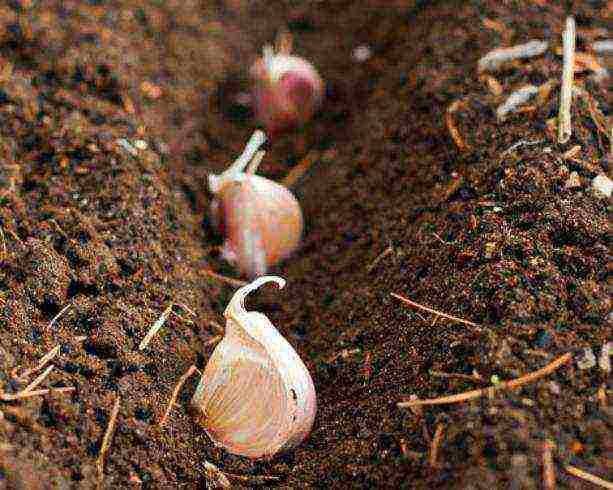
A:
[175,393]
[549,476]
[254,478]
[296,173]
[452,127]
[41,364]
[437,236]
[568,70]
[467,377]
[29,394]
[220,333]
[431,310]
[496,58]
[436,441]
[515,100]
[515,383]
[514,146]
[388,251]
[572,153]
[4,250]
[106,441]
[155,327]
[601,482]
[228,280]
[39,379]
[186,308]
[159,323]
[56,317]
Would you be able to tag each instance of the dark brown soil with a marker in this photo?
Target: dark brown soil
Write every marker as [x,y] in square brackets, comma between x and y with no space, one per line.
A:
[492,235]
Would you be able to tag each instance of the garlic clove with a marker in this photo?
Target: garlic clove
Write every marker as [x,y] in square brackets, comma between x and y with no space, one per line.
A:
[256,396]
[261,220]
[287,90]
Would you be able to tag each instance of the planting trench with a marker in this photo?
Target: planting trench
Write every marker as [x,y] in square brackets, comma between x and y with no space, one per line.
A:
[112,115]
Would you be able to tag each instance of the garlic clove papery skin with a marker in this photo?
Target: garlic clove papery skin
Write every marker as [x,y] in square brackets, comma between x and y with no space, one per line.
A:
[256,396]
[262,223]
[287,90]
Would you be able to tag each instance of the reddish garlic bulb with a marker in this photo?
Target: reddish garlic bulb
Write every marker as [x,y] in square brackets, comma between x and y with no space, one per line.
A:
[256,396]
[287,90]
[260,220]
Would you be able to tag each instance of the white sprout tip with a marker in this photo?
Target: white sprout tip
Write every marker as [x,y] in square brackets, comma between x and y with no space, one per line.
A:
[216,182]
[258,138]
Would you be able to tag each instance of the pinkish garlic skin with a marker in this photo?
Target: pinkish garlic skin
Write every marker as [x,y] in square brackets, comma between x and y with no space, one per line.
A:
[261,221]
[287,91]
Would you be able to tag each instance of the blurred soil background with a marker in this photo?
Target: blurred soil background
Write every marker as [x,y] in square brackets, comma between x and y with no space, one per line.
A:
[113,112]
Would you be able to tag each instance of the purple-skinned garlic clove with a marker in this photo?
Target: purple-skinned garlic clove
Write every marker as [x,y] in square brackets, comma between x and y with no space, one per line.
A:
[261,220]
[287,90]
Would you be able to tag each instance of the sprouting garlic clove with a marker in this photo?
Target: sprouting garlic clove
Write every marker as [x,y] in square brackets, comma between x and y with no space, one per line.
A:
[287,90]
[256,396]
[261,220]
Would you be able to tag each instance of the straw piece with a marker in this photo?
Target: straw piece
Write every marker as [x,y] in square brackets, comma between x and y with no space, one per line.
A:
[29,394]
[56,317]
[106,441]
[41,364]
[39,379]
[549,476]
[175,393]
[469,395]
[568,70]
[516,99]
[496,58]
[431,310]
[159,323]
[601,482]
[228,280]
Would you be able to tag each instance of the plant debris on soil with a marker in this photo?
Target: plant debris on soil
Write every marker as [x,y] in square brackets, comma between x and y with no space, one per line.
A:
[112,113]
